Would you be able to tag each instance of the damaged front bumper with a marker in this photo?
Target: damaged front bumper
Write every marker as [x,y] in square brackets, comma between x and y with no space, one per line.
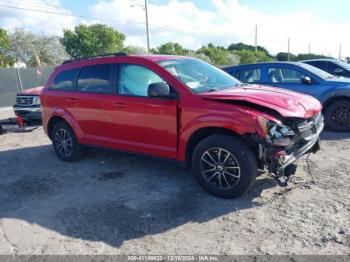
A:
[305,140]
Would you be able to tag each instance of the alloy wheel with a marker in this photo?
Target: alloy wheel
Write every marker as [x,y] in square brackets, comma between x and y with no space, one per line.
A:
[220,168]
[64,142]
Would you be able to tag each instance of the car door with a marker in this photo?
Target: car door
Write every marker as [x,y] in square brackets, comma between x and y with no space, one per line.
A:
[287,77]
[141,123]
[94,92]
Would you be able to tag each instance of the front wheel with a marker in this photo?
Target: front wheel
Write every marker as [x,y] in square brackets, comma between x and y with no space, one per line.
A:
[65,143]
[337,115]
[224,166]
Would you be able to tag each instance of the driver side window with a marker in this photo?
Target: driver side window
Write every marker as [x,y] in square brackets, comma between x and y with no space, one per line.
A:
[133,80]
[284,75]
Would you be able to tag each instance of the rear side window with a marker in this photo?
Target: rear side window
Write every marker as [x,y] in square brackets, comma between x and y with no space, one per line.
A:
[319,64]
[65,80]
[249,75]
[95,79]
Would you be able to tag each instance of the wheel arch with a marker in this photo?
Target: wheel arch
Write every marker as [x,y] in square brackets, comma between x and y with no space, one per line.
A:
[202,133]
[332,99]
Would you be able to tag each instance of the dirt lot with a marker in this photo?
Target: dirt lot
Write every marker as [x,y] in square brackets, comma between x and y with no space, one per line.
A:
[114,203]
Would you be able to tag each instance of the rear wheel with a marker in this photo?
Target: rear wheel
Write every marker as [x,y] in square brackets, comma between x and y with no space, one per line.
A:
[224,166]
[65,143]
[337,115]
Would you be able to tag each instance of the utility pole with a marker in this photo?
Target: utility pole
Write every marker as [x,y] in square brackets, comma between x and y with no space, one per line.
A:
[309,48]
[145,7]
[147,26]
[340,52]
[256,38]
[288,48]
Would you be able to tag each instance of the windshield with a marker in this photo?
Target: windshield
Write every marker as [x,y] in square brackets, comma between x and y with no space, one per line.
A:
[198,75]
[319,72]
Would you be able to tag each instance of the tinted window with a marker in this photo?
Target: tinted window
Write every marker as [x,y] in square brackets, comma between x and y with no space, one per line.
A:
[65,80]
[332,67]
[319,64]
[250,75]
[95,79]
[284,75]
[134,80]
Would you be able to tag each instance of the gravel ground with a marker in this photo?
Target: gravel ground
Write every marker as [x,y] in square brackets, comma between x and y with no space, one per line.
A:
[115,203]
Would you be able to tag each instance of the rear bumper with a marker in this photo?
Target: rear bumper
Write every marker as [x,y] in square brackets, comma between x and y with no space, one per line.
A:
[28,112]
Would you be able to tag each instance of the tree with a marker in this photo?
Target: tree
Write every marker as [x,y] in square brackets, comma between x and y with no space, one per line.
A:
[241,46]
[5,59]
[135,50]
[217,54]
[301,57]
[26,46]
[282,56]
[170,48]
[199,56]
[90,40]
[249,57]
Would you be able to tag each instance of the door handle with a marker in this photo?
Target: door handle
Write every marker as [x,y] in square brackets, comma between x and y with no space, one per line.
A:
[72,100]
[119,105]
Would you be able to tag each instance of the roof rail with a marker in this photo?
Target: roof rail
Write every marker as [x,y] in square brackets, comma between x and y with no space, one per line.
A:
[95,56]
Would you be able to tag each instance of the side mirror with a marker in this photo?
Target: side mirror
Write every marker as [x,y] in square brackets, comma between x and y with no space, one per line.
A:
[306,80]
[339,72]
[159,89]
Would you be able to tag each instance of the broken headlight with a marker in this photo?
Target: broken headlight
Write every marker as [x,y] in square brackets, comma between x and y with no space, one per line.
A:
[276,133]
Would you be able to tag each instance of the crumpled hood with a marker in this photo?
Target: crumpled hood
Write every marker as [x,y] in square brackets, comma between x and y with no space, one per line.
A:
[285,102]
[32,91]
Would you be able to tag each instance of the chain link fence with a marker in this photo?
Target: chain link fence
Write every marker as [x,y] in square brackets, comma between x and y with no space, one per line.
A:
[10,79]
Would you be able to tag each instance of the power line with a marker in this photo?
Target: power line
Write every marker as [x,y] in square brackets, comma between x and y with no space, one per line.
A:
[169,28]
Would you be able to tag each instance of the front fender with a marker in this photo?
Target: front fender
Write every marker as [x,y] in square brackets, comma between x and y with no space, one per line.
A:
[239,125]
[343,91]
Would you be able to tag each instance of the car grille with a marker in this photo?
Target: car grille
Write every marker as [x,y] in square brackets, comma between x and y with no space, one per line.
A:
[25,100]
[309,127]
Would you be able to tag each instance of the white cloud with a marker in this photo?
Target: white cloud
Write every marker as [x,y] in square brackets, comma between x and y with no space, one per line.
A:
[38,22]
[184,22]
[229,22]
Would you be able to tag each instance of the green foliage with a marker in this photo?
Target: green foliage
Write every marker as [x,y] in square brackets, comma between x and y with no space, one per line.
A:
[26,46]
[199,56]
[135,50]
[5,60]
[89,40]
[301,57]
[250,57]
[170,48]
[283,56]
[217,54]
[242,46]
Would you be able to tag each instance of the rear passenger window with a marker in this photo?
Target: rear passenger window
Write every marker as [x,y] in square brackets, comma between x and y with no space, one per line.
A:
[249,75]
[95,79]
[65,80]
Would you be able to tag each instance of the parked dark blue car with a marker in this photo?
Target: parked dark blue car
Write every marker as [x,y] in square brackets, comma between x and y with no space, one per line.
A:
[333,92]
[332,66]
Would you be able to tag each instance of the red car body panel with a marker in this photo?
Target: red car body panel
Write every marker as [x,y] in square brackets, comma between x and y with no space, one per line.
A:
[163,127]
[287,103]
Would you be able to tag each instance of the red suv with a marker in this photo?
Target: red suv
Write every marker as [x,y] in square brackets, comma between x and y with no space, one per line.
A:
[183,109]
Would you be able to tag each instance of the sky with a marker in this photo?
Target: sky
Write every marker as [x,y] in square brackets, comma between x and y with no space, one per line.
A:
[322,25]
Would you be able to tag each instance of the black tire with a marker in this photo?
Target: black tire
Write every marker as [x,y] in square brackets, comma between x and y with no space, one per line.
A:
[240,163]
[63,130]
[337,115]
